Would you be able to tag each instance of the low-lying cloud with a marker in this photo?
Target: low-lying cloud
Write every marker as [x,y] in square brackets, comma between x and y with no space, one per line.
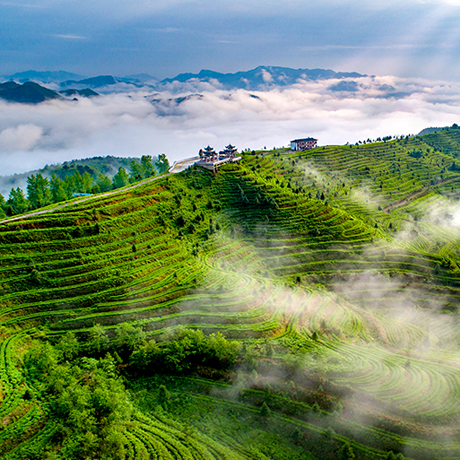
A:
[179,120]
[21,137]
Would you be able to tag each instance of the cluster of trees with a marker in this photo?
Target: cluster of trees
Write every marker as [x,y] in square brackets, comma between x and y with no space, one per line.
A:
[146,168]
[181,351]
[84,396]
[187,350]
[80,386]
[381,139]
[42,191]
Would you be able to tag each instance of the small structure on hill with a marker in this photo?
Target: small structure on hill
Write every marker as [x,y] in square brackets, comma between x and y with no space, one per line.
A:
[211,160]
[304,144]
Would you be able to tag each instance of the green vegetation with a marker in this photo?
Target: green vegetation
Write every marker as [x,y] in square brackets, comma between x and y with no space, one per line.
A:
[294,305]
[42,191]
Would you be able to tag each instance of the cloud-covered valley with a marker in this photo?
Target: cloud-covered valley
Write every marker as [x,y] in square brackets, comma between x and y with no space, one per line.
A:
[179,120]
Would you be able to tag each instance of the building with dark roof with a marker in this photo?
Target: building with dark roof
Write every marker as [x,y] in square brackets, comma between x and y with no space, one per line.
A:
[304,144]
[211,160]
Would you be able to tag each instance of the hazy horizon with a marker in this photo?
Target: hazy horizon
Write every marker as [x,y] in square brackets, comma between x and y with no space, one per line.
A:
[411,39]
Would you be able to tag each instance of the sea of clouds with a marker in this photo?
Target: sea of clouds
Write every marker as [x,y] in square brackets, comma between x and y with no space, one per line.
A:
[145,121]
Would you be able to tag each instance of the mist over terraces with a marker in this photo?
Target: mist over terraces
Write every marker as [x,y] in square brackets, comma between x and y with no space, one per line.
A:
[307,297]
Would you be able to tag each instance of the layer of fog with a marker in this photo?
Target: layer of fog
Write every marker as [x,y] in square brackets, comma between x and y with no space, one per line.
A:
[384,327]
[138,123]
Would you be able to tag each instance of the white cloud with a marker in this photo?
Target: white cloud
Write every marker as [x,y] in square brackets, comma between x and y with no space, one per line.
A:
[127,124]
[69,36]
[166,30]
[267,78]
[21,137]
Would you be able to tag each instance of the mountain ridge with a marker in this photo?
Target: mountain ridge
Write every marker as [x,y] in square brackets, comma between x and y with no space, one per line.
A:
[33,93]
[45,76]
[257,78]
[262,76]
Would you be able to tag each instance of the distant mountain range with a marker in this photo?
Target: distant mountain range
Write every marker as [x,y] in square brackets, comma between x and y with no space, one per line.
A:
[67,78]
[94,82]
[44,77]
[259,78]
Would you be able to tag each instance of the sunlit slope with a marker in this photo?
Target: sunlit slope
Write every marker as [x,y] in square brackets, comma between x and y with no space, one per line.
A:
[334,257]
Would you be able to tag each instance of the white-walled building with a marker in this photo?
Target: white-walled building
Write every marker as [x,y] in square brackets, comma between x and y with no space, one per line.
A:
[304,144]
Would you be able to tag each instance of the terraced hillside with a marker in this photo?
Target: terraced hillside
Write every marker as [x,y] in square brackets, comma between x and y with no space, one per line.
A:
[294,305]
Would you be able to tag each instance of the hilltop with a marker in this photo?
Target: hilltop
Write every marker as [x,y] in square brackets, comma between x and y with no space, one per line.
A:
[33,93]
[27,93]
[294,305]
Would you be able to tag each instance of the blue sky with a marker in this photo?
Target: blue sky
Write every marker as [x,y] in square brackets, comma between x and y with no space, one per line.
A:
[163,38]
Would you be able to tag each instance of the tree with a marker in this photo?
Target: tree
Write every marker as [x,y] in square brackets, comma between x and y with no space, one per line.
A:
[163,396]
[58,189]
[69,185]
[147,166]
[38,191]
[162,164]
[129,337]
[68,345]
[17,202]
[2,207]
[98,340]
[329,433]
[103,184]
[265,410]
[77,183]
[87,403]
[136,173]
[297,435]
[121,179]
[86,182]
[347,452]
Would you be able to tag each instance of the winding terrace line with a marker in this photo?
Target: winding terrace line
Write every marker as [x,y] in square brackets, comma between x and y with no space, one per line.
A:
[417,193]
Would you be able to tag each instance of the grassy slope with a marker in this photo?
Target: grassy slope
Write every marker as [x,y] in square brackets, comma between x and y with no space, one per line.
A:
[344,259]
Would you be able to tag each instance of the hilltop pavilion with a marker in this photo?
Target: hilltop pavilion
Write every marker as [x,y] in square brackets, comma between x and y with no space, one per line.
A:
[211,160]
